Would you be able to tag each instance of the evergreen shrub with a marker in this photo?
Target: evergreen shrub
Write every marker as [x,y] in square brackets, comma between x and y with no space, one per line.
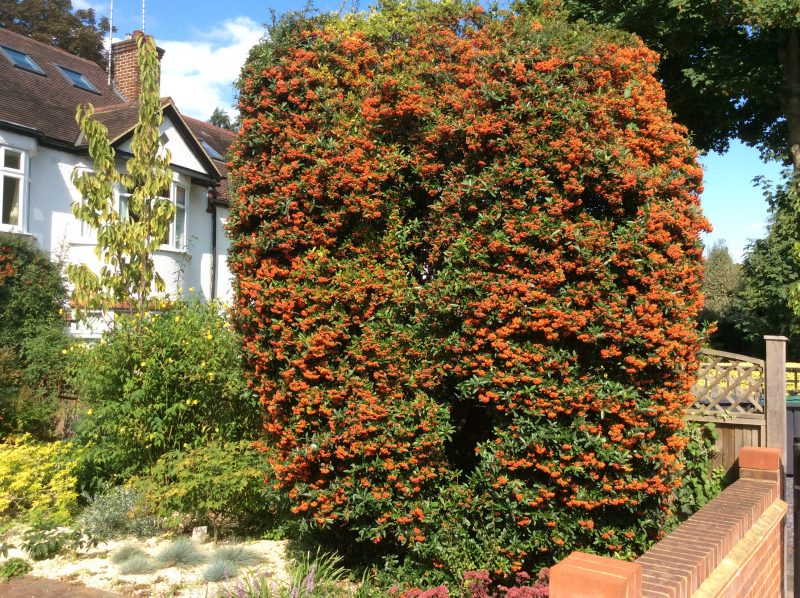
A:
[467,260]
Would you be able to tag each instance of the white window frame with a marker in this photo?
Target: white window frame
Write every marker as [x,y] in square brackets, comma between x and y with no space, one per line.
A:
[180,212]
[21,175]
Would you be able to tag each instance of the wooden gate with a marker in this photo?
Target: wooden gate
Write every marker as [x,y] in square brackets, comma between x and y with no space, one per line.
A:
[745,398]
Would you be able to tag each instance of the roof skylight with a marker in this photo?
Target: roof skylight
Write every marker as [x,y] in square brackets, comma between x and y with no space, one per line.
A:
[211,151]
[21,60]
[78,79]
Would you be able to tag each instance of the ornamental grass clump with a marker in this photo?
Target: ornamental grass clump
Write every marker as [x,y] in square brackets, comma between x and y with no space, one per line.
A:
[126,552]
[467,265]
[181,552]
[137,564]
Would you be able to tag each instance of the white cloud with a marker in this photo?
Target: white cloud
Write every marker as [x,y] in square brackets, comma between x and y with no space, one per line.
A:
[85,4]
[199,74]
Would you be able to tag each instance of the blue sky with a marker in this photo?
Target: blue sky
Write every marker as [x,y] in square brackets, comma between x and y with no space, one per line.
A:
[206,43]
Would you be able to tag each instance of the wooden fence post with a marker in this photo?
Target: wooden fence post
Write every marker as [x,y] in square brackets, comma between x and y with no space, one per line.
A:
[775,389]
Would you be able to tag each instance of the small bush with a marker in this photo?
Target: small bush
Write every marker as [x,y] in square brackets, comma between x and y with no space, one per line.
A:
[181,552]
[125,553]
[118,513]
[13,567]
[44,541]
[220,570]
[170,383]
[137,565]
[37,480]
[221,483]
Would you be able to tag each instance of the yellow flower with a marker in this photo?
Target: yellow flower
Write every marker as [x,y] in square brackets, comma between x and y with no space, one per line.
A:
[202,364]
[210,375]
[60,312]
[89,412]
[194,402]
[144,364]
[188,401]
[177,318]
[191,289]
[64,351]
[209,336]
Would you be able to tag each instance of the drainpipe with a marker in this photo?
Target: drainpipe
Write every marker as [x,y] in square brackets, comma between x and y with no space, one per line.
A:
[212,209]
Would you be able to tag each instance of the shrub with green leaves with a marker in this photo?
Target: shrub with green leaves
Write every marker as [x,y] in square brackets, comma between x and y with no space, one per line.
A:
[171,382]
[46,540]
[37,480]
[221,484]
[13,567]
[32,303]
[119,512]
[700,482]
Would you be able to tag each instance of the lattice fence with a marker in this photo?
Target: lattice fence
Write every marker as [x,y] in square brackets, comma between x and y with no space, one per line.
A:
[729,386]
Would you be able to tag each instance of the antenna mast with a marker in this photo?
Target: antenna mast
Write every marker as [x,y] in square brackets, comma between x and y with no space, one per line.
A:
[143,2]
[110,40]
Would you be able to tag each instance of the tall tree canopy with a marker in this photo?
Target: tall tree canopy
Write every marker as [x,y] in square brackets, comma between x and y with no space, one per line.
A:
[731,68]
[54,22]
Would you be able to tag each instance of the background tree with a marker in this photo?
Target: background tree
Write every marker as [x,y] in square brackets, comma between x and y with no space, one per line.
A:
[722,282]
[54,22]
[731,69]
[126,242]
[220,118]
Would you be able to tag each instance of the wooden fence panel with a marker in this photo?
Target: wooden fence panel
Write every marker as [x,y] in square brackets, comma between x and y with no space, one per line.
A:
[745,398]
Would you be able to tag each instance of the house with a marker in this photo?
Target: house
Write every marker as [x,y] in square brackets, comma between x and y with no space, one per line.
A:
[41,145]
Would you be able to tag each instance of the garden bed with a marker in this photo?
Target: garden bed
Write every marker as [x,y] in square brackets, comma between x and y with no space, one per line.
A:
[94,568]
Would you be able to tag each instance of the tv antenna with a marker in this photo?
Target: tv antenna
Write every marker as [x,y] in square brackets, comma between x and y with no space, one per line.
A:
[110,39]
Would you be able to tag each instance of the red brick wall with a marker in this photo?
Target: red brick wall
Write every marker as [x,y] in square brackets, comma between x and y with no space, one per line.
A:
[731,548]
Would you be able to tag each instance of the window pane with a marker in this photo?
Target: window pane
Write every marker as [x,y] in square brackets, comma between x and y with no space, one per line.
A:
[78,79]
[22,60]
[180,227]
[123,206]
[10,201]
[12,159]
[180,196]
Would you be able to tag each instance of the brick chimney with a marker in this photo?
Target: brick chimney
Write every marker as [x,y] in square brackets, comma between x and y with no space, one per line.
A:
[125,66]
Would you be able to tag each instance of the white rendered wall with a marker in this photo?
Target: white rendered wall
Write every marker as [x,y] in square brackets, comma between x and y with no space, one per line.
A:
[47,216]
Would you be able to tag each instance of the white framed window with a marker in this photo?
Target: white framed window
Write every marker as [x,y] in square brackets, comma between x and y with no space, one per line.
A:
[176,236]
[13,166]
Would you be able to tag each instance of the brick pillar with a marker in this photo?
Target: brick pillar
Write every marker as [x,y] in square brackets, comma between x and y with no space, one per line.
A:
[125,67]
[582,575]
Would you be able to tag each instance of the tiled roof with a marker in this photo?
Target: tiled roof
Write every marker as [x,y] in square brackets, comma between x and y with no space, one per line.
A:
[47,102]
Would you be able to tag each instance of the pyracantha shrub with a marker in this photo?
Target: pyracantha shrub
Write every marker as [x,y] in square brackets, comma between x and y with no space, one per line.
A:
[467,269]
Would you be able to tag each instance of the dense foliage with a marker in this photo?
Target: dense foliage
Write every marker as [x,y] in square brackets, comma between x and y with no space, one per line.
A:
[219,484]
[37,481]
[170,382]
[467,260]
[32,300]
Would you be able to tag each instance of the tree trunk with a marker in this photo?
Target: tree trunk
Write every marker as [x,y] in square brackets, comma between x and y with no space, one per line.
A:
[789,56]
